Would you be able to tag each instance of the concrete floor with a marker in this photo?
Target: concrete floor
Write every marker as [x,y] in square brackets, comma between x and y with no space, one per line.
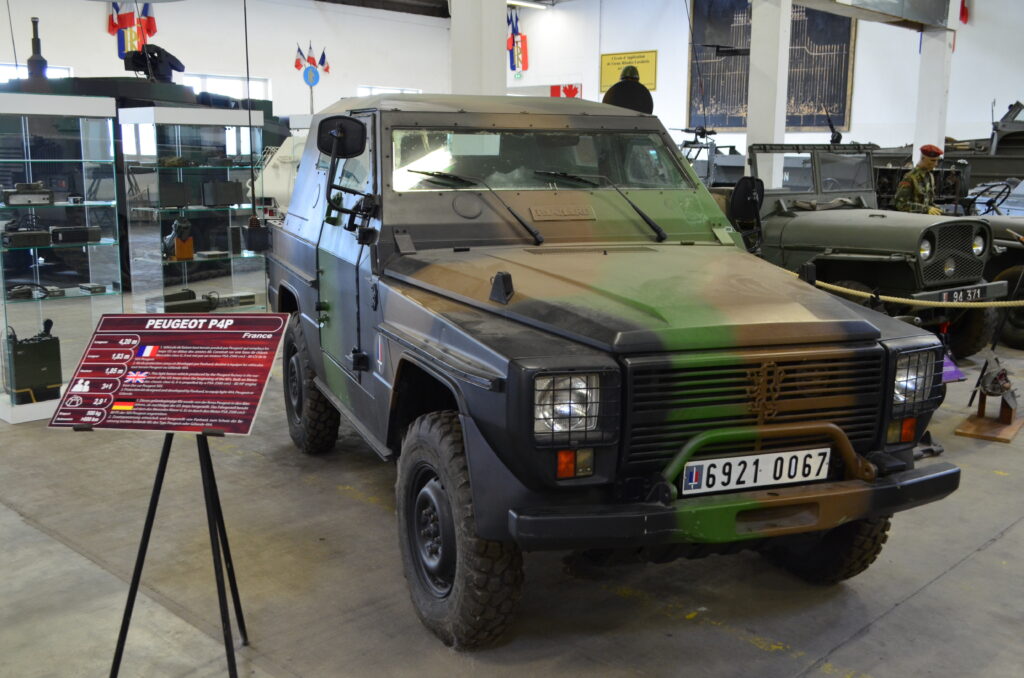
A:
[318,567]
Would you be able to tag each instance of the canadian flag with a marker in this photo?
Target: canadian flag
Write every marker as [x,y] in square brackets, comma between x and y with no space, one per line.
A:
[572,91]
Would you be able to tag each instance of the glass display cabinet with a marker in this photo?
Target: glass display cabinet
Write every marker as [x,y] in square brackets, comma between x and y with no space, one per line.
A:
[190,187]
[58,241]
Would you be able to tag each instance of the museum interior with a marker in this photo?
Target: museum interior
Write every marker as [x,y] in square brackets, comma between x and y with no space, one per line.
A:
[505,337]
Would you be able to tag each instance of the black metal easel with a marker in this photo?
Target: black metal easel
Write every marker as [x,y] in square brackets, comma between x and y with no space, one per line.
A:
[218,541]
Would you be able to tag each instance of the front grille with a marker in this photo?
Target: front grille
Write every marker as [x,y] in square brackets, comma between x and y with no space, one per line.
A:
[672,398]
[953,241]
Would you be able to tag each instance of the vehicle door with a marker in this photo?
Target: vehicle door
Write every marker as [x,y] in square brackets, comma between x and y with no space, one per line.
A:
[344,276]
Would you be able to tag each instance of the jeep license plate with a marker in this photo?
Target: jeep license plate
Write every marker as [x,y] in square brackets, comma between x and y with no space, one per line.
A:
[966,294]
[754,470]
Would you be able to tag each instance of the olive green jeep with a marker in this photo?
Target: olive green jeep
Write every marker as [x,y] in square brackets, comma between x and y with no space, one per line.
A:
[819,207]
[534,308]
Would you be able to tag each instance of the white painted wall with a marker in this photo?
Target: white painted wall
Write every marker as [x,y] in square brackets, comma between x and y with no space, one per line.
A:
[565,42]
[364,46]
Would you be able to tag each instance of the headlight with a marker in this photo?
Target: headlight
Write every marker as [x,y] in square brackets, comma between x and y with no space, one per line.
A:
[565,403]
[914,372]
[925,249]
[978,245]
[949,267]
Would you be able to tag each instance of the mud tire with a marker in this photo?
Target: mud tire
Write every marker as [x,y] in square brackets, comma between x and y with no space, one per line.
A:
[312,420]
[840,553]
[465,589]
[973,332]
[1013,329]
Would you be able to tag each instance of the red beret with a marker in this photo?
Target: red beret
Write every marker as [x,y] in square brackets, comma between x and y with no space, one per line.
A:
[931,151]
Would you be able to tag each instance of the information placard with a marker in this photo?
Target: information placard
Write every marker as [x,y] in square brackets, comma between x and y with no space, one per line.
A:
[176,372]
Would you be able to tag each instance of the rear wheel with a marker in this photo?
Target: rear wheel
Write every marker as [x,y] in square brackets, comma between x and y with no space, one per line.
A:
[312,420]
[834,555]
[972,332]
[464,588]
[1013,329]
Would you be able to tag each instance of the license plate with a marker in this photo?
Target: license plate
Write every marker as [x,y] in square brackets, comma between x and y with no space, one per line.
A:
[754,470]
[968,294]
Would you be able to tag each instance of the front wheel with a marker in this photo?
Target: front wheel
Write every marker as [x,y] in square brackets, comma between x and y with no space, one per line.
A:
[972,332]
[464,588]
[1013,328]
[835,555]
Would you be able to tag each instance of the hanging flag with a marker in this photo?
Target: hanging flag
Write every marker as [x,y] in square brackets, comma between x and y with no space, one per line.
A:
[515,43]
[323,61]
[309,56]
[299,57]
[112,19]
[147,20]
[965,12]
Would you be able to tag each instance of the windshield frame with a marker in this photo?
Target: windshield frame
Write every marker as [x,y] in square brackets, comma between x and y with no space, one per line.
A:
[688,181]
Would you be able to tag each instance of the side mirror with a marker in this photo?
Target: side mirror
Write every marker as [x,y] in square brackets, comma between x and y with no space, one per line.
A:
[745,203]
[341,136]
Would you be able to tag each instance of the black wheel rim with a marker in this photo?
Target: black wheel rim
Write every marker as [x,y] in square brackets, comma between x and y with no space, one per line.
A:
[293,385]
[431,532]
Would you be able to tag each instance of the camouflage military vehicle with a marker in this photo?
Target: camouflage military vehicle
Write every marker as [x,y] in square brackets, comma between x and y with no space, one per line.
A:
[537,311]
[820,207]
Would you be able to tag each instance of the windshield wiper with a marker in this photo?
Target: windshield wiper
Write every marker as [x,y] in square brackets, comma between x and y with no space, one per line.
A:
[538,239]
[566,175]
[659,232]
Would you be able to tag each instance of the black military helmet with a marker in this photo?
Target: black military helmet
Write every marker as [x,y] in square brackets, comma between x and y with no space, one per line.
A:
[630,72]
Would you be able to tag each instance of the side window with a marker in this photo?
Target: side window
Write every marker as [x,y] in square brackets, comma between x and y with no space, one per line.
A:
[354,172]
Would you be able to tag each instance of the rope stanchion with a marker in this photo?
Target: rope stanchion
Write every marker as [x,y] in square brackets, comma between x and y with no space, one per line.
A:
[1018,303]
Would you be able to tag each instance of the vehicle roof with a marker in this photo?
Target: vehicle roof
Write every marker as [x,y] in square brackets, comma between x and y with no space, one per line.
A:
[466,103]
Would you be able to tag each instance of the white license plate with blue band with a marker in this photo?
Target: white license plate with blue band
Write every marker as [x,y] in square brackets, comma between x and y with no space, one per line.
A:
[754,470]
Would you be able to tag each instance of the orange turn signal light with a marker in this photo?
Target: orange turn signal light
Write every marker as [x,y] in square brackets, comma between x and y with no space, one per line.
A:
[566,464]
[908,430]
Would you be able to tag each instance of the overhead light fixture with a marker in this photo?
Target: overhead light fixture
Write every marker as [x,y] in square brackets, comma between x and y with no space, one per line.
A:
[526,3]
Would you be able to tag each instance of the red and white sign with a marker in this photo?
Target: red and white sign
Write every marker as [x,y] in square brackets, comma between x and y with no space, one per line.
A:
[177,372]
[572,90]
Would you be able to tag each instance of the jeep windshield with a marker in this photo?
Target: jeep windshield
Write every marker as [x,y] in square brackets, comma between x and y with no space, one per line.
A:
[819,172]
[532,160]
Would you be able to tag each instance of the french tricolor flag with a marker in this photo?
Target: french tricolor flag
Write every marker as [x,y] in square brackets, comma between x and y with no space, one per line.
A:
[147,351]
[299,57]
[310,57]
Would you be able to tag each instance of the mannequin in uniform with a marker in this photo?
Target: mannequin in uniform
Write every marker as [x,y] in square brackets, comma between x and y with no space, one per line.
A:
[916,192]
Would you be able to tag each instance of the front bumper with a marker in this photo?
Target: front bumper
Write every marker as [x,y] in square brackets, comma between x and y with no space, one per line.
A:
[740,516]
[977,292]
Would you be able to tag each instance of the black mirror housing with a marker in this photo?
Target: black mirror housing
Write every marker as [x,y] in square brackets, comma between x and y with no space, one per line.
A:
[348,133]
[745,202]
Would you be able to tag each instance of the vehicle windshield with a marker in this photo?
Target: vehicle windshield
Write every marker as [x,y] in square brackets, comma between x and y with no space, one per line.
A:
[532,160]
[836,172]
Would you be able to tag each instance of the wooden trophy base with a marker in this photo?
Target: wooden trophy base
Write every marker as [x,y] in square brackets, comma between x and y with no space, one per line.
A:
[1001,430]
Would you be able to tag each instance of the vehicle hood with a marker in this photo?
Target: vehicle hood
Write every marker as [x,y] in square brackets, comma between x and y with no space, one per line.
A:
[628,299]
[854,230]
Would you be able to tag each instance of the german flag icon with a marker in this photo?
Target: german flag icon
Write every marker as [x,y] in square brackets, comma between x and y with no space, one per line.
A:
[123,405]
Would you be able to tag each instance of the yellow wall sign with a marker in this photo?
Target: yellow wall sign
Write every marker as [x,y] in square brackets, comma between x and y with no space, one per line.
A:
[645,62]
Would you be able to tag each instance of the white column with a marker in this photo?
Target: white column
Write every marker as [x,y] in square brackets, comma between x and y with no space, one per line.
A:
[770,22]
[933,88]
[477,46]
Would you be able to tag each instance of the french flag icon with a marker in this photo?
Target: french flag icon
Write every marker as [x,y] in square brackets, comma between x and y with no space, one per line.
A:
[147,351]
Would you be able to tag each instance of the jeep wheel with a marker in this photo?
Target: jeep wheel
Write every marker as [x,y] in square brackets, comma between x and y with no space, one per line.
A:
[464,588]
[312,420]
[835,555]
[973,331]
[1013,329]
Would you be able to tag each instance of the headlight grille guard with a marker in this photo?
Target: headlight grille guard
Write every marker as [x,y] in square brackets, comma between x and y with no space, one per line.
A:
[922,400]
[602,418]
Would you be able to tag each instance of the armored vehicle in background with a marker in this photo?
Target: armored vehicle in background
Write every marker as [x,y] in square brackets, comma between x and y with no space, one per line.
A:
[535,308]
[820,207]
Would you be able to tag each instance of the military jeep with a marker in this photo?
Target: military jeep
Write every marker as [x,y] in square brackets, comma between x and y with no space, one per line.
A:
[820,207]
[536,310]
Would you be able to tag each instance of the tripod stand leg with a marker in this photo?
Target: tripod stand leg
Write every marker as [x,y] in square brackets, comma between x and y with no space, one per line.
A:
[140,559]
[228,563]
[206,467]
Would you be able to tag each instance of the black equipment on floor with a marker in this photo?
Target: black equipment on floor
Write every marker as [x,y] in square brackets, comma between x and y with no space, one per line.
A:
[34,374]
